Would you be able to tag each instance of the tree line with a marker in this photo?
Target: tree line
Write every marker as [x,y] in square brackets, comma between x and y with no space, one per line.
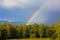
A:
[10,31]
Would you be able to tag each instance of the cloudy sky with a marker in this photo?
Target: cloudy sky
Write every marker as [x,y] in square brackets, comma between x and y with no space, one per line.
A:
[22,10]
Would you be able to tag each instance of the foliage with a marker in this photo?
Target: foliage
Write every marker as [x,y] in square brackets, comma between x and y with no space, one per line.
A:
[30,31]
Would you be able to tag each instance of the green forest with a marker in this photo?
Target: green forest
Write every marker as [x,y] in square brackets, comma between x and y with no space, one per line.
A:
[11,31]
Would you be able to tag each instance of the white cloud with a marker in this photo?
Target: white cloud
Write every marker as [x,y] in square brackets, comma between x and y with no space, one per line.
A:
[20,3]
[14,3]
[9,20]
[29,3]
[8,3]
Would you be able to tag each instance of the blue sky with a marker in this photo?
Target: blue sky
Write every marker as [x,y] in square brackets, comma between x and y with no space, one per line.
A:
[21,10]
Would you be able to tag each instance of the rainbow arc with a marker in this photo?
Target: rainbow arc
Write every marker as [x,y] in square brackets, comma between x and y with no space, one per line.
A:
[36,13]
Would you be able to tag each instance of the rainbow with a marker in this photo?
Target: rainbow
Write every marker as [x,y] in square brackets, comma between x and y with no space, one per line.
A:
[36,13]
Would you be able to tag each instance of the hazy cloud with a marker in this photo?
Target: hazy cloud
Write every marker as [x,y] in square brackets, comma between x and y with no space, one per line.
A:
[7,20]
[19,3]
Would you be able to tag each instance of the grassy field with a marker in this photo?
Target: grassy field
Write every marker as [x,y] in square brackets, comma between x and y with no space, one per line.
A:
[32,39]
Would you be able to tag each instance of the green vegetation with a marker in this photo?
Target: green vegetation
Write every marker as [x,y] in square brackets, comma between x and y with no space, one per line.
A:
[32,39]
[36,31]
